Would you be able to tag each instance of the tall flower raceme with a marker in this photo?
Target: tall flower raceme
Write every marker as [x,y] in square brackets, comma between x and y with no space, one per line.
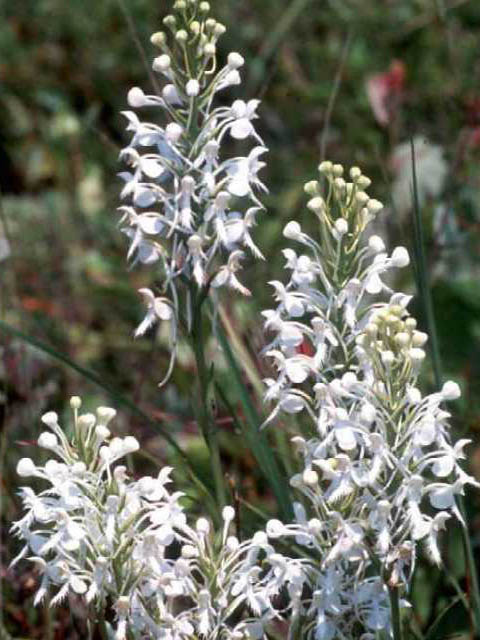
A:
[380,473]
[190,208]
[126,548]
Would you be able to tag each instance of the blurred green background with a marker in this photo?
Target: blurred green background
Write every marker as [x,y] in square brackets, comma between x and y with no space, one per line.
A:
[349,80]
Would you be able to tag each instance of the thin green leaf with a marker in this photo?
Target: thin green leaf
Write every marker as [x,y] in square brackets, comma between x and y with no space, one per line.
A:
[436,623]
[422,275]
[257,441]
[423,284]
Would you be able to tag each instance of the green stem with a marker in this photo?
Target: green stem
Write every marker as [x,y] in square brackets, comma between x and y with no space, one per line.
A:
[205,417]
[102,627]
[471,569]
[395,611]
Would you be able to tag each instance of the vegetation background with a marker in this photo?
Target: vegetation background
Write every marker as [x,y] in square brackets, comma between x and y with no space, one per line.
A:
[349,80]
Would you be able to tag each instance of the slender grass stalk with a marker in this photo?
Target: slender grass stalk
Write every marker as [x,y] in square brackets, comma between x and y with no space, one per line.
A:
[436,623]
[394,595]
[333,94]
[423,279]
[136,40]
[274,39]
[256,440]
[423,284]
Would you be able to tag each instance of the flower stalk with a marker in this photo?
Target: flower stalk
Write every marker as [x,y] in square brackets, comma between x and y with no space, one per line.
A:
[206,418]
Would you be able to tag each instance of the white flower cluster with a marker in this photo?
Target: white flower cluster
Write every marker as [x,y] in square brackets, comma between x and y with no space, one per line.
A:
[126,544]
[379,471]
[188,208]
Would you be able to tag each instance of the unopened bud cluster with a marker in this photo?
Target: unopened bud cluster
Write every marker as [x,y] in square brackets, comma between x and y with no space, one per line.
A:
[189,208]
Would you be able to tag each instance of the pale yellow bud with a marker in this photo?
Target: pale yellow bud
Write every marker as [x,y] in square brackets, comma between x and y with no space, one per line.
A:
[419,338]
[402,339]
[310,477]
[158,39]
[311,188]
[75,402]
[410,323]
[210,49]
[355,173]
[363,182]
[181,36]
[325,167]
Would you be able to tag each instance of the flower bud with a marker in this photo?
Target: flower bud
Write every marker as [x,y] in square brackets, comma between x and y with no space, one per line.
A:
[47,440]
[173,132]
[219,30]
[170,94]
[362,198]
[410,323]
[416,355]
[388,358]
[374,206]
[50,419]
[325,167]
[355,173]
[451,390]
[192,88]
[310,477]
[400,257]
[181,36]
[195,27]
[316,204]
[105,415]
[169,21]
[180,5]
[228,513]
[158,39]
[86,421]
[292,230]
[75,402]
[210,49]
[419,338]
[376,244]
[130,444]
[414,396]
[337,170]
[311,188]
[232,543]
[102,433]
[210,24]
[341,226]
[162,63]
[402,339]
[235,60]
[204,7]
[363,182]
[26,467]
[203,526]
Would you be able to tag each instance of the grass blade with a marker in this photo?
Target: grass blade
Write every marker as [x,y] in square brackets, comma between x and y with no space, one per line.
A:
[257,442]
[422,276]
[436,623]
[423,285]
